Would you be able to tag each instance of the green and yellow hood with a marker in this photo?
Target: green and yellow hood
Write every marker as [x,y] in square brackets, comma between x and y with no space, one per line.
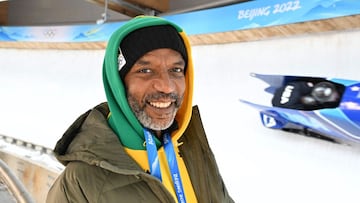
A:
[121,118]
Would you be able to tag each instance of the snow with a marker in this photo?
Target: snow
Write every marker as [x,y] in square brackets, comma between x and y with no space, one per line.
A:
[44,91]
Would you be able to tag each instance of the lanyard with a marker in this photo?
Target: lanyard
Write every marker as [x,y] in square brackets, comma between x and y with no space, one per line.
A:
[172,162]
[153,158]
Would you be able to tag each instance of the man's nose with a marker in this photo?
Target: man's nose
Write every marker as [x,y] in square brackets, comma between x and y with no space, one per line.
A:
[164,83]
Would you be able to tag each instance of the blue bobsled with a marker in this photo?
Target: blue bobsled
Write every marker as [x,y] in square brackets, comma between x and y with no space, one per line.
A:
[303,105]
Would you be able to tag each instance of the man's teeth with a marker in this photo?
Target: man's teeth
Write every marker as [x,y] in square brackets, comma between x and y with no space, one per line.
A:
[160,104]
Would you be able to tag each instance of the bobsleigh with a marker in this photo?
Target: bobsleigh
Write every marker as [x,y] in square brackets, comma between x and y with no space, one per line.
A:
[325,108]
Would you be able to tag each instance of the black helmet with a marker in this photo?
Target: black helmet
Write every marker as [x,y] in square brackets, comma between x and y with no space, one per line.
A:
[324,92]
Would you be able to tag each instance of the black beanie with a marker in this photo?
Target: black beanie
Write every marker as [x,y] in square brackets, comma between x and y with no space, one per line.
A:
[139,42]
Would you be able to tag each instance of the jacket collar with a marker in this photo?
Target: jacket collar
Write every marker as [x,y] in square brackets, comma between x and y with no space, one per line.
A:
[91,140]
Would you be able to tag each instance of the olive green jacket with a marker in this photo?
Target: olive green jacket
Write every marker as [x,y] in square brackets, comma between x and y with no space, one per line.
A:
[99,170]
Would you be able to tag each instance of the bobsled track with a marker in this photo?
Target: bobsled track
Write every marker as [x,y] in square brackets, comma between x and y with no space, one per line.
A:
[27,170]
[44,87]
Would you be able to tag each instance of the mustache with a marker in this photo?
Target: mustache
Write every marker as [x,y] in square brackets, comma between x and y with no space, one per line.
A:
[161,95]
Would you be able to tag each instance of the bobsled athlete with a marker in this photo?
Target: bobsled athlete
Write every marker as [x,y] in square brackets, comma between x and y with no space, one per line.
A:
[306,95]
[146,143]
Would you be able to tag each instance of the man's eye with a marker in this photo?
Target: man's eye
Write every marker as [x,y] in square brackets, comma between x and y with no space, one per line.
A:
[177,70]
[144,70]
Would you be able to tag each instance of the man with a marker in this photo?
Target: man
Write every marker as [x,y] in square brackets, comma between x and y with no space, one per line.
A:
[147,142]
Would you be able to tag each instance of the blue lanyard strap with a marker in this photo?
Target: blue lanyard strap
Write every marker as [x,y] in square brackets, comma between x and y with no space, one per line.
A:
[172,162]
[153,158]
[174,169]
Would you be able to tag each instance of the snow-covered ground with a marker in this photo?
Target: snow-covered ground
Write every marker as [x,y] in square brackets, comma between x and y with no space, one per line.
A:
[44,91]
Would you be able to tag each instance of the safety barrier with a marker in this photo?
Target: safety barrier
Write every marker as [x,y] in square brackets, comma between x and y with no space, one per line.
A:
[29,169]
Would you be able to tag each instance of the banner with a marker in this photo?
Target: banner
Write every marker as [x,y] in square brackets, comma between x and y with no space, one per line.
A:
[263,13]
[240,16]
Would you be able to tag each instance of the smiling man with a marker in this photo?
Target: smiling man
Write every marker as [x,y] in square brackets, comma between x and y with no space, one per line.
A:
[147,142]
[155,88]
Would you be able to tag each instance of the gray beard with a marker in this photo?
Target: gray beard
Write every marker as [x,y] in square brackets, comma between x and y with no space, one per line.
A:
[145,119]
